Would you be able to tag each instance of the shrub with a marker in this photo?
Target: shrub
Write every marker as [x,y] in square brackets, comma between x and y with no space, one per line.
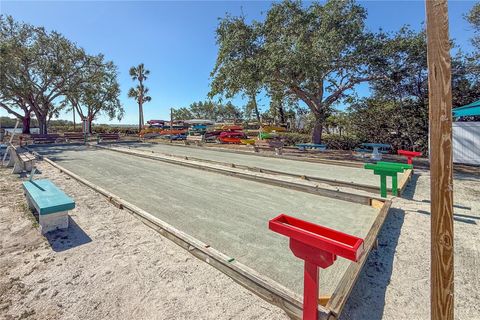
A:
[341,142]
[333,141]
[292,138]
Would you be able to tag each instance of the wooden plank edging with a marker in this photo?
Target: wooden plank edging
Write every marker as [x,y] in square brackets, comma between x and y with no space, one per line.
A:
[345,286]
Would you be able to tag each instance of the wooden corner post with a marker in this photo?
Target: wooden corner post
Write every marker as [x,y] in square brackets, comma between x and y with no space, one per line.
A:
[440,105]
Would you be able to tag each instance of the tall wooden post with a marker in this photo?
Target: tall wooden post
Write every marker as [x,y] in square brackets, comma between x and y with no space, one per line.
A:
[440,104]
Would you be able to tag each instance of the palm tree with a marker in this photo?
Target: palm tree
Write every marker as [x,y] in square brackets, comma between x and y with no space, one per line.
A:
[140,92]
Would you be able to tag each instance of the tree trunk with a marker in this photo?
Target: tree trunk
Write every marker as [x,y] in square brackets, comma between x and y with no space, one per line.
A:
[255,107]
[42,124]
[317,130]
[26,123]
[140,117]
[282,114]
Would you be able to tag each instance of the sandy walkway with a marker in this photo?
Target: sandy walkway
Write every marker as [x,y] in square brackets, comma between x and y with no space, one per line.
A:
[399,273]
[115,267]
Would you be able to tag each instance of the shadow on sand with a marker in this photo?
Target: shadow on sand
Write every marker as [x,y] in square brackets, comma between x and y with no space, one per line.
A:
[409,192]
[62,240]
[367,299]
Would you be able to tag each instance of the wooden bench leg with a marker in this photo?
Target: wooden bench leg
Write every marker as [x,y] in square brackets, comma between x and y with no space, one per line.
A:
[28,166]
[395,185]
[383,186]
[53,221]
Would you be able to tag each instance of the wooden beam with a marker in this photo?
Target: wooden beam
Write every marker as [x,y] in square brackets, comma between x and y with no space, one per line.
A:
[441,164]
[339,297]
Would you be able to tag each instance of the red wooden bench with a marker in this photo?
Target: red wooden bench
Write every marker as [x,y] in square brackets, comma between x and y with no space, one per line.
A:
[45,138]
[74,136]
[108,137]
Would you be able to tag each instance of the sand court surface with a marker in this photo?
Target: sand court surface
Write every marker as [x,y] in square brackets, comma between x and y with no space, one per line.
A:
[353,175]
[228,213]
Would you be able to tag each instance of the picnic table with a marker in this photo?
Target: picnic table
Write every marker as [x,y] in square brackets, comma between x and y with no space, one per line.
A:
[377,153]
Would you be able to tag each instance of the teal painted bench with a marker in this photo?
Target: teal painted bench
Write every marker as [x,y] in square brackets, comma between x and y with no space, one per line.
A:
[304,146]
[51,203]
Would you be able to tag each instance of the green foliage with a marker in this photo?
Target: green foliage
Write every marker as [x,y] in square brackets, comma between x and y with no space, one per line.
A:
[99,94]
[333,141]
[341,142]
[404,125]
[474,18]
[208,110]
[317,54]
[238,67]
[292,138]
[40,69]
[182,113]
[67,126]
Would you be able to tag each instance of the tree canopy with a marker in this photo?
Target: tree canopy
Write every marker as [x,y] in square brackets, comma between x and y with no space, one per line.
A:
[208,110]
[316,54]
[99,95]
[40,68]
[474,18]
[238,67]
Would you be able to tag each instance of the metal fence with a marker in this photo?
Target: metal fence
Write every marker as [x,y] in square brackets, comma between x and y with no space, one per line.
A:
[466,142]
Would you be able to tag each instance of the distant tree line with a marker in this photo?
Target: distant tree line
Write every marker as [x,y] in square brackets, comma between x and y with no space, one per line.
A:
[43,73]
[208,110]
[318,54]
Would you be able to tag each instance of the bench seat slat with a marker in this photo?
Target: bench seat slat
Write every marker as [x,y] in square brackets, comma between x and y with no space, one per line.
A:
[46,197]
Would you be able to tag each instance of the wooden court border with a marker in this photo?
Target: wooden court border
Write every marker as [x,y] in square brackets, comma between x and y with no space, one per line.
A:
[264,287]
[145,154]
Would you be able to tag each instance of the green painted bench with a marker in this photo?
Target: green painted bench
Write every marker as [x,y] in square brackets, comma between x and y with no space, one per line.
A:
[51,203]
[387,169]
[403,166]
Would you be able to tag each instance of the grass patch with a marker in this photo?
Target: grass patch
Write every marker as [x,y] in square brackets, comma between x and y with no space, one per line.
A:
[29,214]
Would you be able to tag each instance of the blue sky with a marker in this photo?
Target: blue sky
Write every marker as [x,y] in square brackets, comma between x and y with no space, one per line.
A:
[176,40]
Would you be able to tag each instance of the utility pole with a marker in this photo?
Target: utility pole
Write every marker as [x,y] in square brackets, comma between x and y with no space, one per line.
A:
[441,163]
